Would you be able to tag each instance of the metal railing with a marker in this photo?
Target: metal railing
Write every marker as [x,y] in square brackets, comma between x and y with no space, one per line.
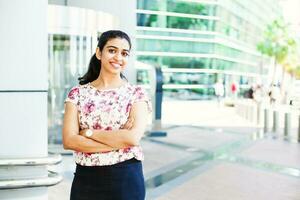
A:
[53,178]
[50,160]
[268,117]
[287,130]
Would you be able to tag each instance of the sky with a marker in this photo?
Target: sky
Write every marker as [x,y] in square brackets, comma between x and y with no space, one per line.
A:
[291,13]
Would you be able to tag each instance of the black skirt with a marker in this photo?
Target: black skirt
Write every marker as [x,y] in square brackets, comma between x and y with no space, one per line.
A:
[122,181]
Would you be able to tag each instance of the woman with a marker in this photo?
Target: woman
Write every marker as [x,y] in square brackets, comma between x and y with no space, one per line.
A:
[105,118]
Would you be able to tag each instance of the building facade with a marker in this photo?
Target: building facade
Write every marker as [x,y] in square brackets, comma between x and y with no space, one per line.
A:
[198,42]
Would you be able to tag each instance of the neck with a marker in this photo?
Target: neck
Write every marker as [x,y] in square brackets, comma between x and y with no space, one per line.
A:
[108,81]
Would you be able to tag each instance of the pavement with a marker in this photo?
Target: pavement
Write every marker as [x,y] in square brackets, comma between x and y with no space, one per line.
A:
[209,153]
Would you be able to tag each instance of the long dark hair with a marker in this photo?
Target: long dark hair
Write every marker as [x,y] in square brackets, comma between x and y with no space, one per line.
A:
[95,64]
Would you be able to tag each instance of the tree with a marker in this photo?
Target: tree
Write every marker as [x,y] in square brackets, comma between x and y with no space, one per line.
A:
[296,72]
[278,44]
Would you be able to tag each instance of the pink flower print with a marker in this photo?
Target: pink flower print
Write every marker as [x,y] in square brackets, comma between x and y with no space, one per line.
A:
[126,150]
[96,93]
[97,126]
[73,93]
[138,89]
[107,109]
[103,102]
[128,107]
[141,95]
[108,128]
[89,107]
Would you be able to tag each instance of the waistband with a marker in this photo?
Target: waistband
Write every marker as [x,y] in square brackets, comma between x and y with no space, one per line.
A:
[88,169]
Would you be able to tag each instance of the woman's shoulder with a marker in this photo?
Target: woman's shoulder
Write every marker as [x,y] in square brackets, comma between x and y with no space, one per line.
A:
[77,88]
[137,90]
[134,87]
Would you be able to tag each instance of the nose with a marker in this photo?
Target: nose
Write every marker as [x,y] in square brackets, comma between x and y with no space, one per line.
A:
[118,57]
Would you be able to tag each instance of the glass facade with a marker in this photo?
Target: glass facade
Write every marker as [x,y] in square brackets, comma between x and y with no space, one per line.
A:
[219,36]
[68,57]
[71,43]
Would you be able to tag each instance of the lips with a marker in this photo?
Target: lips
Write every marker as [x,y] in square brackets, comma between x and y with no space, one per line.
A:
[116,65]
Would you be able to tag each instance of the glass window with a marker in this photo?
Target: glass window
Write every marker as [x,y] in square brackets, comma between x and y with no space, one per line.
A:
[178,6]
[151,20]
[68,57]
[174,46]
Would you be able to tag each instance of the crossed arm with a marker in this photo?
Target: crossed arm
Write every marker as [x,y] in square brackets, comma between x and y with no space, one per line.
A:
[102,141]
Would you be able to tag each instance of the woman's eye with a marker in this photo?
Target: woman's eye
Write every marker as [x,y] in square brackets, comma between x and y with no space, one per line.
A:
[111,50]
[125,54]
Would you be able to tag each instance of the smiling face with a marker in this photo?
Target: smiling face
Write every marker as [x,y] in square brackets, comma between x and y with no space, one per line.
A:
[114,55]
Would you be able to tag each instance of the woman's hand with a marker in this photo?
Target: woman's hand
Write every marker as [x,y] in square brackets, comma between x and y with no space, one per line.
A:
[128,125]
[82,132]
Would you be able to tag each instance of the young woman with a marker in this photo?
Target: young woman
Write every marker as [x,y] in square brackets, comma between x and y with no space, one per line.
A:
[105,118]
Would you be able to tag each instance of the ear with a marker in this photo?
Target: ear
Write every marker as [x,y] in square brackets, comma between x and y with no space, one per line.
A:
[98,53]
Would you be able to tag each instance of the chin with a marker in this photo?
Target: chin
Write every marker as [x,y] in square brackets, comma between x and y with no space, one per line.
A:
[116,71]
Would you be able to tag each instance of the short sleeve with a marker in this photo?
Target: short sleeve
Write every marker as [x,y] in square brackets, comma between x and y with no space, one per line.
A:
[73,96]
[141,95]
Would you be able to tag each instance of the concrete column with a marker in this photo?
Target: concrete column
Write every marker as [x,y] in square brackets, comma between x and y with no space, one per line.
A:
[266,120]
[23,92]
[287,124]
[299,128]
[275,128]
[258,113]
[162,19]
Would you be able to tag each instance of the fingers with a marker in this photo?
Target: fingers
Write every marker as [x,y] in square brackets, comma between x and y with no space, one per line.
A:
[82,131]
[128,124]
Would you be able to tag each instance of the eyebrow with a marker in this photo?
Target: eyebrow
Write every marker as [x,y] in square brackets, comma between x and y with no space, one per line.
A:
[116,48]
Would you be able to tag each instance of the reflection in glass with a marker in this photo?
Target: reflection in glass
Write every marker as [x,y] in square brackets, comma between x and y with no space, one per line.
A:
[152,20]
[177,6]
[68,59]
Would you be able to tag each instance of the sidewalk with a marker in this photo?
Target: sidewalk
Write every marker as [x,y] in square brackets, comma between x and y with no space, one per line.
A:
[210,153]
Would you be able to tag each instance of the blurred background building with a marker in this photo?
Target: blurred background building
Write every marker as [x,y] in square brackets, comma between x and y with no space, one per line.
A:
[198,42]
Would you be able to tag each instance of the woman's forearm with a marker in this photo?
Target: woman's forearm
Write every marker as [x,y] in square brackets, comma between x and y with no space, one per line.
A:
[86,145]
[123,138]
[118,138]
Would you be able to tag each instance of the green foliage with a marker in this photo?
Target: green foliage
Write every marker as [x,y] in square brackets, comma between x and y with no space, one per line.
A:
[194,8]
[184,22]
[152,20]
[297,72]
[277,42]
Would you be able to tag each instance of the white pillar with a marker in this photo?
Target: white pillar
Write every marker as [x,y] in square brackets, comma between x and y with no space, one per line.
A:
[23,92]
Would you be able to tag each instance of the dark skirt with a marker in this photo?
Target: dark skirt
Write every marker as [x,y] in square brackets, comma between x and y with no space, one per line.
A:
[122,181]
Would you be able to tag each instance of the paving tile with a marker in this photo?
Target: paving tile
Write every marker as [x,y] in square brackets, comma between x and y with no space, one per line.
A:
[206,139]
[236,182]
[274,151]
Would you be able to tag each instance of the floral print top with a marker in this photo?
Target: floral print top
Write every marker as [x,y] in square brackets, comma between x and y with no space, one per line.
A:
[106,110]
